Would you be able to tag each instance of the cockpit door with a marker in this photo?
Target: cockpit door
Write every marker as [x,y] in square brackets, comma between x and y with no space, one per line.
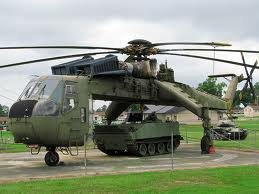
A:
[73,125]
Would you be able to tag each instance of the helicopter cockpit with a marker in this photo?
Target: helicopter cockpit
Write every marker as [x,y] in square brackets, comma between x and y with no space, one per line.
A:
[41,97]
[40,89]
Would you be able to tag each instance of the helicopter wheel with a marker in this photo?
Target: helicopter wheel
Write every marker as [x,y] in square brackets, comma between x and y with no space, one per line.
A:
[51,158]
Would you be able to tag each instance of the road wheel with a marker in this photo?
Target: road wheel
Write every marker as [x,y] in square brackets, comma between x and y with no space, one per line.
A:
[161,148]
[51,158]
[169,147]
[108,152]
[111,152]
[176,143]
[151,149]
[142,149]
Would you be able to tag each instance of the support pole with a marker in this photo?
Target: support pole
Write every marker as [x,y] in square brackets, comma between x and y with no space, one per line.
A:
[85,152]
[239,139]
[255,138]
[186,136]
[172,149]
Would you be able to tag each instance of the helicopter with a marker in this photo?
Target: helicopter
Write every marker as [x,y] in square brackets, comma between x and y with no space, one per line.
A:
[55,111]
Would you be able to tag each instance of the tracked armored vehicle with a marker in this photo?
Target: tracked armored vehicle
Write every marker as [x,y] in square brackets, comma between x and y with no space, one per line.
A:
[227,130]
[148,137]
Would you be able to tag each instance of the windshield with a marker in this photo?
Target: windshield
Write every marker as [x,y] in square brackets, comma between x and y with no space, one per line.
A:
[39,89]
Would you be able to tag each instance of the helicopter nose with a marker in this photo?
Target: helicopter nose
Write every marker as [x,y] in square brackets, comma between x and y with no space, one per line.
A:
[22,109]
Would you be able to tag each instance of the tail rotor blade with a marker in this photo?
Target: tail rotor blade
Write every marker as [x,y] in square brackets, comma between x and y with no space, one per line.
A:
[253,68]
[251,78]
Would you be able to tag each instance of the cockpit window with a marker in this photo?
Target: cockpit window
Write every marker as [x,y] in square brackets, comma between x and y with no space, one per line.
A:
[39,89]
[28,90]
[47,88]
[70,96]
[36,88]
[70,89]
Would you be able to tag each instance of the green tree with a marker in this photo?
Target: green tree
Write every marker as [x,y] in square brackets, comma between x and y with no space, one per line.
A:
[247,98]
[211,86]
[256,88]
[134,107]
[102,109]
[4,110]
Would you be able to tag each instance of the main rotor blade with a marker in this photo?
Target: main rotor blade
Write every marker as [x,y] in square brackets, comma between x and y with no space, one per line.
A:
[59,47]
[7,98]
[192,43]
[245,87]
[208,58]
[57,58]
[220,50]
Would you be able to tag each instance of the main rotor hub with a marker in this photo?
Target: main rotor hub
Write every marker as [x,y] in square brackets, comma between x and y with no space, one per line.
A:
[139,42]
[139,48]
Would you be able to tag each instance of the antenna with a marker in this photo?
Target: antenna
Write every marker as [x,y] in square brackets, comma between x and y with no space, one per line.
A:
[214,55]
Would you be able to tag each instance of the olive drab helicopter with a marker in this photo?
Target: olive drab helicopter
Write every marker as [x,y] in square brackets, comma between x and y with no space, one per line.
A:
[55,111]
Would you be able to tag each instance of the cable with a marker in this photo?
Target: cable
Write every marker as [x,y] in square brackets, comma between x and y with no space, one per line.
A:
[7,98]
[10,91]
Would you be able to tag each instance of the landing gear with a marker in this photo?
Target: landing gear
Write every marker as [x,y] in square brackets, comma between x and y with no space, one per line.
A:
[206,143]
[51,157]
[206,140]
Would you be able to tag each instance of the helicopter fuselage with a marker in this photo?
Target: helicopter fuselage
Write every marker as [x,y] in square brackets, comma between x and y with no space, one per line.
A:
[56,111]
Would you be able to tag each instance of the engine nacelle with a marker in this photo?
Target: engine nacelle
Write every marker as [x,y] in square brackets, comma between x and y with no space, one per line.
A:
[141,69]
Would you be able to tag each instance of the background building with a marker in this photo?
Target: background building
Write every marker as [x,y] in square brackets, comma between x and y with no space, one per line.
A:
[180,114]
[99,117]
[251,111]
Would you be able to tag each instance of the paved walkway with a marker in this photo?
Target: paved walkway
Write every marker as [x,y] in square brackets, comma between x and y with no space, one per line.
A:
[23,166]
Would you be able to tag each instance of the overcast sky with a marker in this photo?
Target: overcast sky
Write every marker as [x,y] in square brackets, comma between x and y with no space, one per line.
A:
[114,23]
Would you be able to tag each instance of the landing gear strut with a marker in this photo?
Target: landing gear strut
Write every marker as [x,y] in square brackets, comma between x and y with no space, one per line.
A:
[206,140]
[51,157]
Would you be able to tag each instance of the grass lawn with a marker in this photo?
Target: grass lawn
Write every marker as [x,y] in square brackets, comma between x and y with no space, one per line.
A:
[7,145]
[13,148]
[218,180]
[6,135]
[195,133]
